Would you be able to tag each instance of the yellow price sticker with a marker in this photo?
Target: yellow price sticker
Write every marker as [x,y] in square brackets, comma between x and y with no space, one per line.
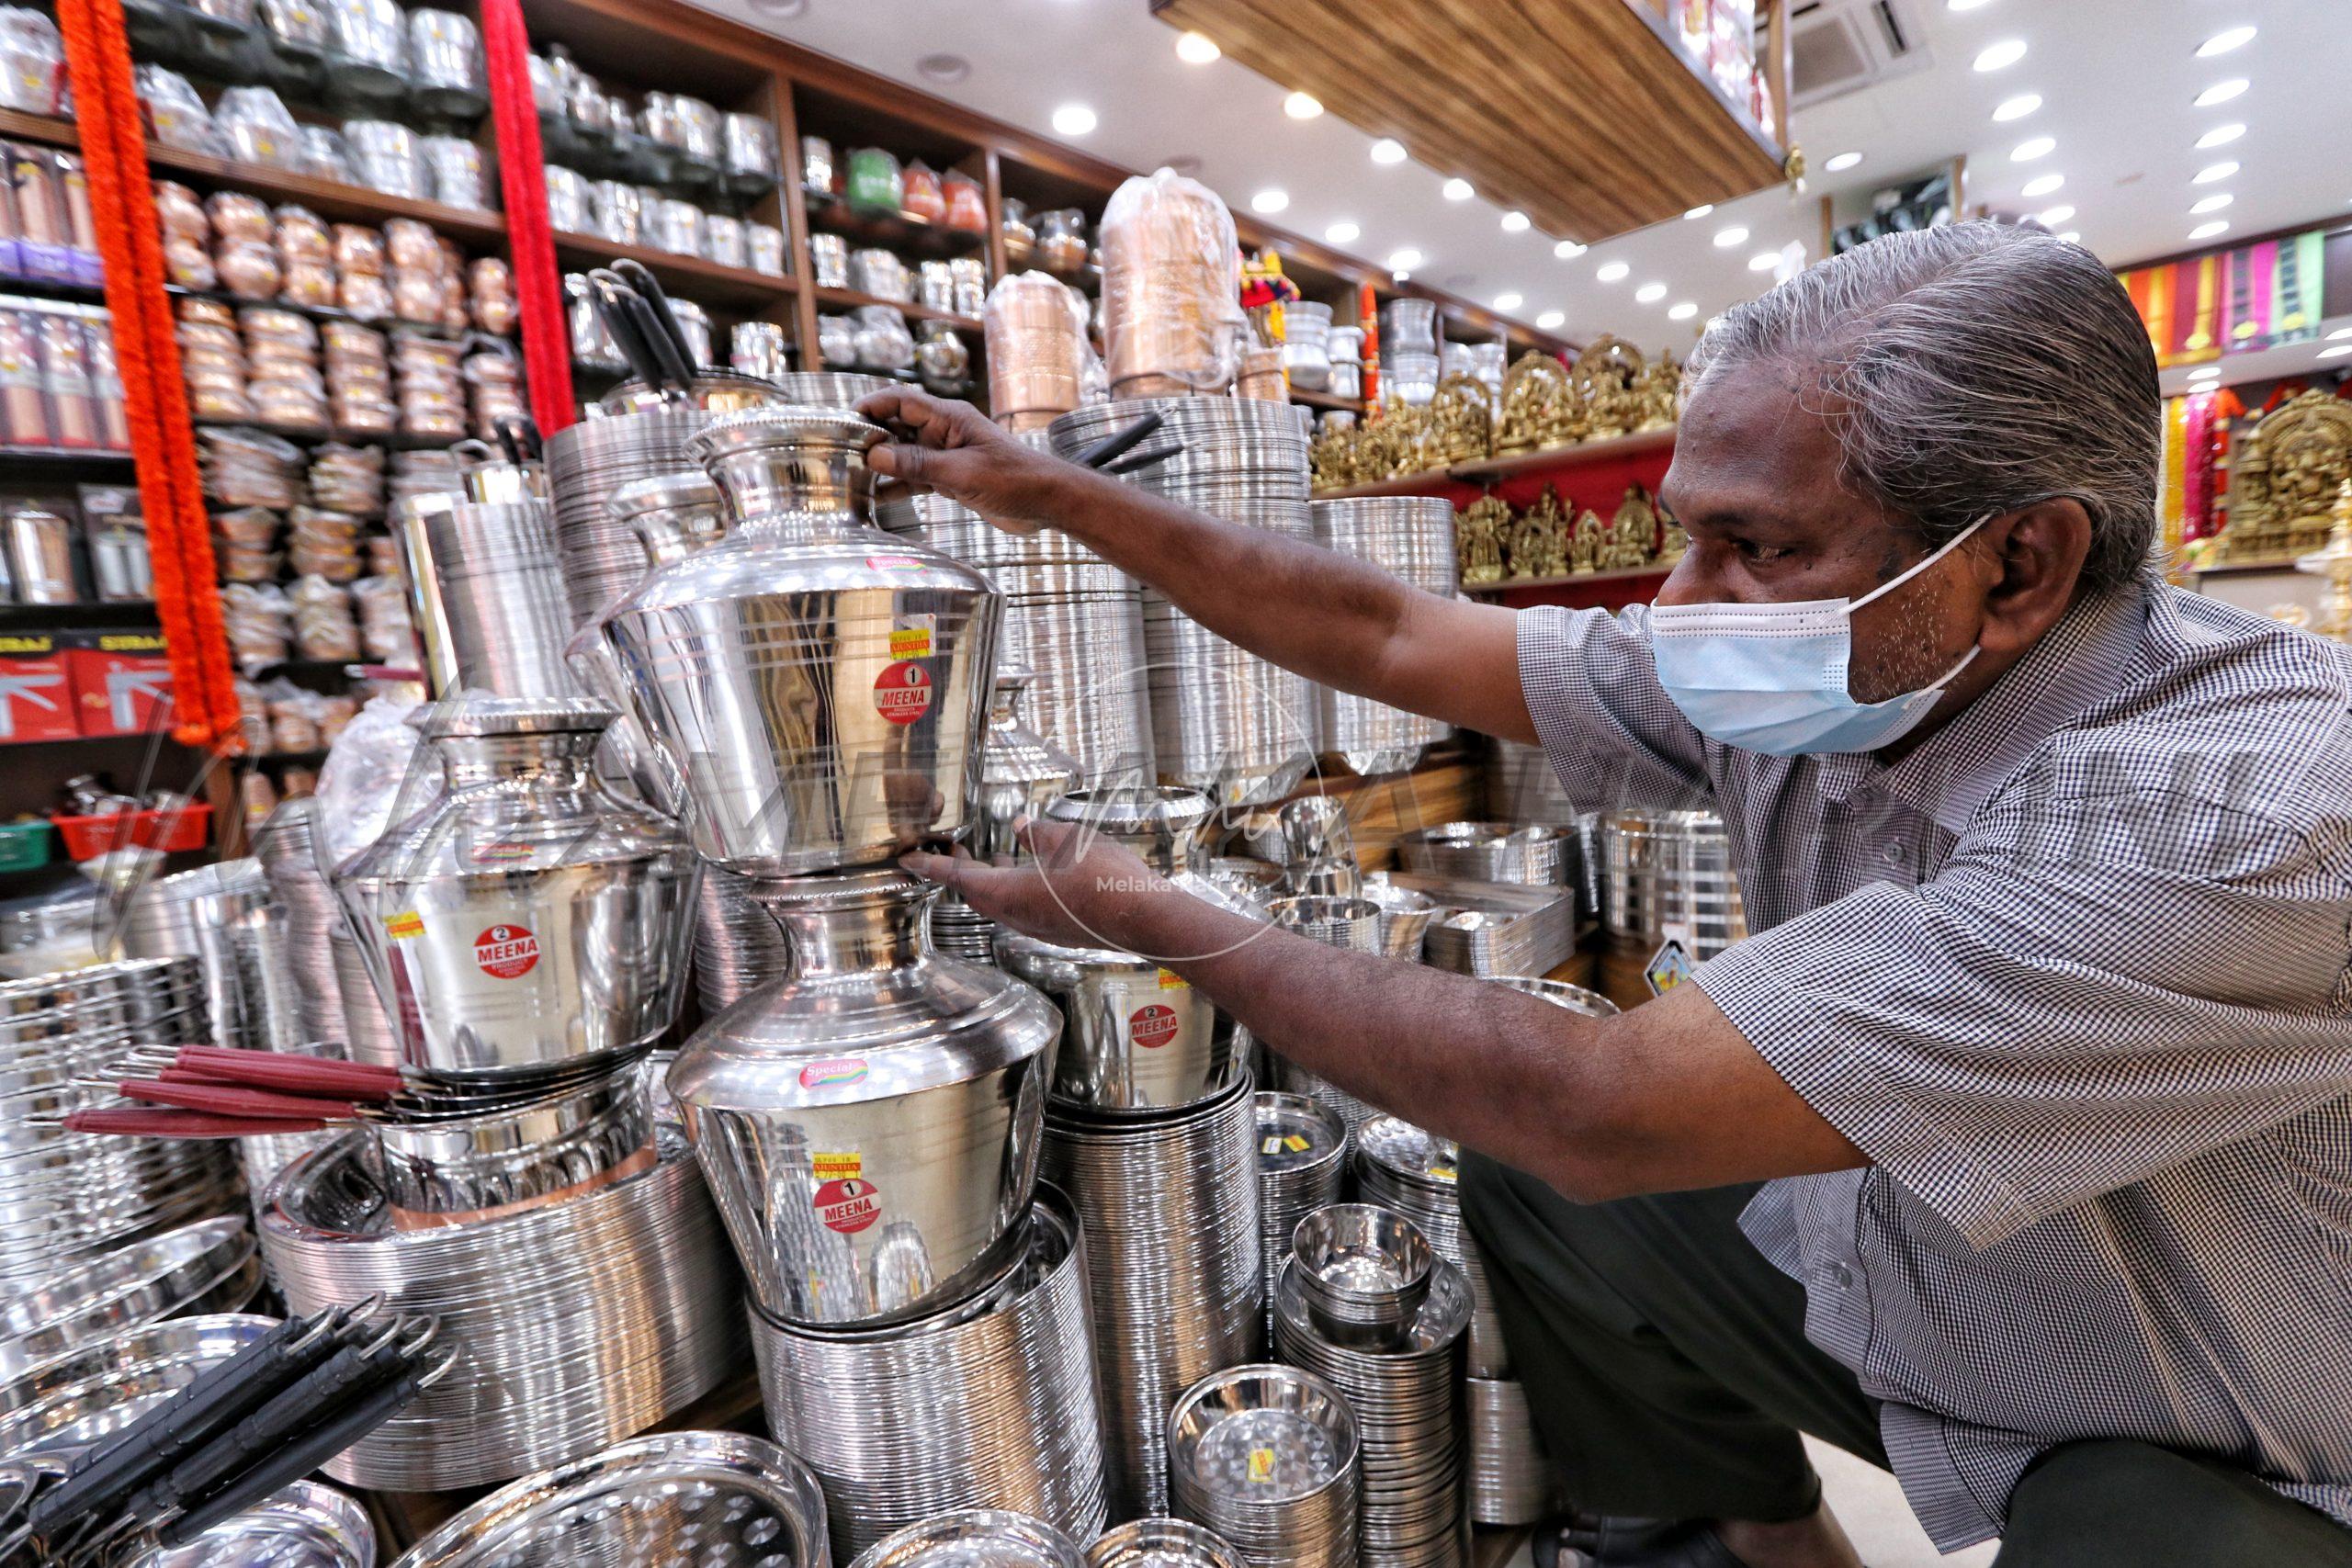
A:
[1261,1466]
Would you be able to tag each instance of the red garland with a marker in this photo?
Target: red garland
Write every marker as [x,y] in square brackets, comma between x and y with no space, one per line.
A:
[522,177]
[162,439]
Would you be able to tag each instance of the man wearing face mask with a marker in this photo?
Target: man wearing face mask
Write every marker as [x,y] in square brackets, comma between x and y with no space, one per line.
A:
[2014,1150]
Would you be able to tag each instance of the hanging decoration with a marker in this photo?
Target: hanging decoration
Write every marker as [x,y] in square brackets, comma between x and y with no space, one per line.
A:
[522,178]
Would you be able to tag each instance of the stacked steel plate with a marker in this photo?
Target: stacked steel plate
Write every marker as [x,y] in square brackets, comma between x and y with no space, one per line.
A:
[714,1499]
[226,917]
[287,849]
[1302,1163]
[1269,1457]
[579,1319]
[1410,537]
[1169,1202]
[1161,1543]
[738,948]
[1224,721]
[1416,1173]
[1510,1482]
[303,1525]
[1492,851]
[65,1196]
[205,1266]
[104,1387]
[975,1538]
[1073,621]
[1404,1383]
[990,1401]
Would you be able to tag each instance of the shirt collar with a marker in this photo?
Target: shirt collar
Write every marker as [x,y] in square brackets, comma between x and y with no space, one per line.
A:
[1954,771]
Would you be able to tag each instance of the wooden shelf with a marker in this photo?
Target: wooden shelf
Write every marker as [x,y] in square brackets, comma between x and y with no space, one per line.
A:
[54,464]
[850,298]
[47,129]
[1488,470]
[136,615]
[1429,482]
[318,312]
[1614,574]
[331,200]
[904,233]
[1315,400]
[690,277]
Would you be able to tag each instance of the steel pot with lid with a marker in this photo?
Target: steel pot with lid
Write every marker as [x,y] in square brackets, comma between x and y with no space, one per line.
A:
[869,1124]
[821,685]
[1138,1037]
[527,915]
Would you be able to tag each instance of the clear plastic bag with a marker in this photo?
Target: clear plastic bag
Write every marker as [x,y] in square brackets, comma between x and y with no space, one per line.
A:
[361,782]
[1171,287]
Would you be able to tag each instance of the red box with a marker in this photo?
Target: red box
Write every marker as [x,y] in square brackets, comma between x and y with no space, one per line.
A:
[122,683]
[35,688]
[87,838]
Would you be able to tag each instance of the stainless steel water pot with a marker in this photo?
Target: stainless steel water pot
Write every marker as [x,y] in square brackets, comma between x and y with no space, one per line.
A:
[527,915]
[868,1125]
[821,685]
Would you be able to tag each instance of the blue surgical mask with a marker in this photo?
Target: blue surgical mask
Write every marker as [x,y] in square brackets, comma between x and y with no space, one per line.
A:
[1771,678]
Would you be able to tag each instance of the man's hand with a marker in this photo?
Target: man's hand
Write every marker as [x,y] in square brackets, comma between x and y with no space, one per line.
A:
[1078,889]
[955,449]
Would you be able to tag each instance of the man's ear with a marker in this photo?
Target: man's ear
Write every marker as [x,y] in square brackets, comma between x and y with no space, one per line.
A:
[2039,551]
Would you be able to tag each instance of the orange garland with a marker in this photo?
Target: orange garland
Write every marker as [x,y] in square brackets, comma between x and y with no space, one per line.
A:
[163,438]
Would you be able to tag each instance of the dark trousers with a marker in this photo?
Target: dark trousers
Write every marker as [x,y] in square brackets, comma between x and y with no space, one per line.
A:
[1668,1369]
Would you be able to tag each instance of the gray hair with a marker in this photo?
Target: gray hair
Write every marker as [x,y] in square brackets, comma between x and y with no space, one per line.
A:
[1971,369]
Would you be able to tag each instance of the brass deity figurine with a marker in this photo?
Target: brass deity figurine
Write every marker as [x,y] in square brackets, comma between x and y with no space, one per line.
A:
[2284,476]
[1460,421]
[1478,538]
[1539,408]
[1605,377]
[1539,538]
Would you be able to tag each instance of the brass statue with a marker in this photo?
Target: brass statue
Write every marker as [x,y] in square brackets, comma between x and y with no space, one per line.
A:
[2334,563]
[1585,549]
[1539,538]
[1539,409]
[2283,476]
[1634,529]
[1460,421]
[1656,390]
[1606,374]
[1478,538]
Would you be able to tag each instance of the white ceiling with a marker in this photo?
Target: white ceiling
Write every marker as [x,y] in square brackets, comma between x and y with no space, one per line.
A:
[2118,80]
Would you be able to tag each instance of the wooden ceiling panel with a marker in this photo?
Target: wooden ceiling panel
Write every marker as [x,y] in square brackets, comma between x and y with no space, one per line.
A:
[1577,112]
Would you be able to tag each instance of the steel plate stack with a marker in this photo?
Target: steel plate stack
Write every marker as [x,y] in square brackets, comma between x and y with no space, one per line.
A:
[1224,721]
[1407,1399]
[225,917]
[1492,851]
[284,844]
[1270,1458]
[1302,1164]
[304,1526]
[1169,1202]
[1416,1173]
[1409,538]
[975,1538]
[713,1499]
[1161,1543]
[1510,1482]
[738,947]
[578,1322]
[204,1268]
[1071,618]
[989,1401]
[104,1387]
[65,1196]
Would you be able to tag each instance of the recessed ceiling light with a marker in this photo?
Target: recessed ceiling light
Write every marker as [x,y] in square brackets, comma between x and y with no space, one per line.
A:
[1840,162]
[1388,149]
[1567,250]
[1301,106]
[1552,321]
[1682,311]
[1964,5]
[1508,302]
[2026,152]
[1073,119]
[1726,238]
[2213,173]
[1273,198]
[1650,293]
[1763,261]
[2335,353]
[2054,217]
[1515,222]
[1342,233]
[2018,107]
[2221,136]
[2212,203]
[1611,272]
[1196,48]
[1458,190]
[2002,55]
[2224,42]
[2073,236]
[1405,259]
[2207,231]
[2340,335]
[2221,92]
[1699,212]
[2044,184]
[946,68]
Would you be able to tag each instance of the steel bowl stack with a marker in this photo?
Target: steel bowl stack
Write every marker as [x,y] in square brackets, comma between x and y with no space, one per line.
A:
[1169,1202]
[1302,1165]
[1411,538]
[1071,618]
[1416,1173]
[1522,787]
[988,1402]
[65,1196]
[1270,1458]
[975,1538]
[225,917]
[1224,721]
[715,1499]
[738,948]
[1665,875]
[1405,1391]
[579,1320]
[1492,851]
[286,846]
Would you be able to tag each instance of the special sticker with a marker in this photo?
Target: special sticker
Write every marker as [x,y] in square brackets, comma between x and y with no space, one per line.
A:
[902,692]
[1152,1025]
[506,952]
[833,1072]
[848,1205]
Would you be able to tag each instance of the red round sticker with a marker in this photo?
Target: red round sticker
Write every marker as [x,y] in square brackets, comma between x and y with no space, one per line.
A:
[1152,1025]
[506,952]
[902,692]
[848,1205]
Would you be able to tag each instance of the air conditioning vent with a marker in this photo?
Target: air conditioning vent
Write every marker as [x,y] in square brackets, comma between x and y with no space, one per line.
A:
[1838,46]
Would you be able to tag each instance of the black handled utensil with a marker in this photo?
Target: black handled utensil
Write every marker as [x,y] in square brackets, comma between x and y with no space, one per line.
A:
[611,299]
[640,277]
[1120,442]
